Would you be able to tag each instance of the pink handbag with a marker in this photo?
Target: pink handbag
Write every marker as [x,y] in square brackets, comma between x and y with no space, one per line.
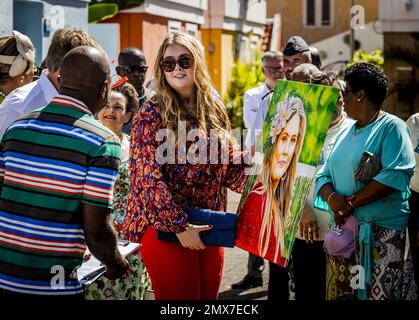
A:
[341,243]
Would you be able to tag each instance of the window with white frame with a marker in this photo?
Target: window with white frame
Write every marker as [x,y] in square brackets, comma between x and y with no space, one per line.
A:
[174,25]
[192,29]
[318,13]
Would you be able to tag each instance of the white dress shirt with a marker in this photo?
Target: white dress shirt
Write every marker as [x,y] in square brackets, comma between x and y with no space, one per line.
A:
[259,118]
[251,102]
[24,100]
[413,123]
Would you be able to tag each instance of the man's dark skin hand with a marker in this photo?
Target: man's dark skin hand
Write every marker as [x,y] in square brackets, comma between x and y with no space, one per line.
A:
[102,242]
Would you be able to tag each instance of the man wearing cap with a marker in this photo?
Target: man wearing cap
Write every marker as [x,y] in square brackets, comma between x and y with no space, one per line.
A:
[296,52]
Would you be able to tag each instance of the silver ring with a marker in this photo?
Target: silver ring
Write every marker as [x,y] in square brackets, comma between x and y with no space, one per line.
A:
[340,213]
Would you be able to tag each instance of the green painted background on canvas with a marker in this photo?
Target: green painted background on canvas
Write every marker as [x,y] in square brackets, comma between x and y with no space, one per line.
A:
[319,103]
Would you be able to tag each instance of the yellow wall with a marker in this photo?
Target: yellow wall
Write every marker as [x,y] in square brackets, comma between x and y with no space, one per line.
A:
[213,59]
[227,40]
[222,59]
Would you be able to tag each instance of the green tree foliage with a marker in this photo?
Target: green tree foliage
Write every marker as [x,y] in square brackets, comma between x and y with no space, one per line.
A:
[375,57]
[244,77]
[100,10]
[122,4]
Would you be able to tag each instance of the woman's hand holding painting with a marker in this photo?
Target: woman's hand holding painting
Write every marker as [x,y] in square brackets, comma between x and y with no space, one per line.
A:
[190,237]
[309,229]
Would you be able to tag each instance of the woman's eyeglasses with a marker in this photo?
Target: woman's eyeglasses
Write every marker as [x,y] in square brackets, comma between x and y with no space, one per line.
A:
[168,64]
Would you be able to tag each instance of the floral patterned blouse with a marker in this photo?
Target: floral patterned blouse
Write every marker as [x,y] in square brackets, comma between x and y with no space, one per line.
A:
[121,190]
[159,192]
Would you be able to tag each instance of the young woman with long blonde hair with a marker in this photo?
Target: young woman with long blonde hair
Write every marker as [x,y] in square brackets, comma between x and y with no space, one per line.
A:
[183,98]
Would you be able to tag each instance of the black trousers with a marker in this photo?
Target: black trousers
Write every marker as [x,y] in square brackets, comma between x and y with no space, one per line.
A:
[309,266]
[255,266]
[278,287]
[413,232]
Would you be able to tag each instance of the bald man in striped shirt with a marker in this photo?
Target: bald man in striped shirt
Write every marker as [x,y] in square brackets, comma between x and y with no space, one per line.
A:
[58,166]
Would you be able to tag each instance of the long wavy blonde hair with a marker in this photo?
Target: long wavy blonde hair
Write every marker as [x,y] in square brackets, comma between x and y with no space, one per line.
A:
[277,202]
[210,112]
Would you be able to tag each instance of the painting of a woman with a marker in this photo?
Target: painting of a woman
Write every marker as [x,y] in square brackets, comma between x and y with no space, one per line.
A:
[262,216]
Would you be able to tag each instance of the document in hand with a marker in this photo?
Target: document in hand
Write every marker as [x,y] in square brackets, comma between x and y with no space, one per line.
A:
[92,269]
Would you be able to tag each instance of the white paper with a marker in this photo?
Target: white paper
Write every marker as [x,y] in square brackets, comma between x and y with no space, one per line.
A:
[93,269]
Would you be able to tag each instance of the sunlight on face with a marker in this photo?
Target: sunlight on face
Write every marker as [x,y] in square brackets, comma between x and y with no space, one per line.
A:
[114,114]
[285,147]
[181,80]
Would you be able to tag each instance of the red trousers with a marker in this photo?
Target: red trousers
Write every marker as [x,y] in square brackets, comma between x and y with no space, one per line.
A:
[178,273]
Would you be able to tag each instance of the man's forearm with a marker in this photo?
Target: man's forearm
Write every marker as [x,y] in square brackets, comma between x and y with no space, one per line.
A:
[103,245]
[100,236]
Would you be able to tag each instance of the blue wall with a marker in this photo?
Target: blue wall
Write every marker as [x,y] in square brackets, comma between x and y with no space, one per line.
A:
[38,20]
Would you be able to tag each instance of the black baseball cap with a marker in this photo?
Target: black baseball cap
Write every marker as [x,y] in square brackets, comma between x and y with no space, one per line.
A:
[295,45]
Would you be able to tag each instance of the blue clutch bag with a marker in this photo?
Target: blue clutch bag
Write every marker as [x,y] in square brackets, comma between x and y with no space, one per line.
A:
[222,234]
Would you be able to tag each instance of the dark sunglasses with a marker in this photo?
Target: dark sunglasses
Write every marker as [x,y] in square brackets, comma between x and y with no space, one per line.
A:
[168,64]
[132,69]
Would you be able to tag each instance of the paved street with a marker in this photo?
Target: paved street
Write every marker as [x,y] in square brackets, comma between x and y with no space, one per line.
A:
[235,267]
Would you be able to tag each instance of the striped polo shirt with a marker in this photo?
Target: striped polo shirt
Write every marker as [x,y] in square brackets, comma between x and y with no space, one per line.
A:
[51,162]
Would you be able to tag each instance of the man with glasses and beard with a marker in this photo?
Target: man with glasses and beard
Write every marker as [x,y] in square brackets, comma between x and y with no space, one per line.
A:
[132,64]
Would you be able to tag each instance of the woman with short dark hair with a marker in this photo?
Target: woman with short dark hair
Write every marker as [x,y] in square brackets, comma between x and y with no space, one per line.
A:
[377,196]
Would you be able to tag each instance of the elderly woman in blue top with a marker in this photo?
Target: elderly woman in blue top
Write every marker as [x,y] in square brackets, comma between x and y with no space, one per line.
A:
[381,205]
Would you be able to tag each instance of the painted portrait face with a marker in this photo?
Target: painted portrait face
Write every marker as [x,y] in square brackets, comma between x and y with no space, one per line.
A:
[114,114]
[284,147]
